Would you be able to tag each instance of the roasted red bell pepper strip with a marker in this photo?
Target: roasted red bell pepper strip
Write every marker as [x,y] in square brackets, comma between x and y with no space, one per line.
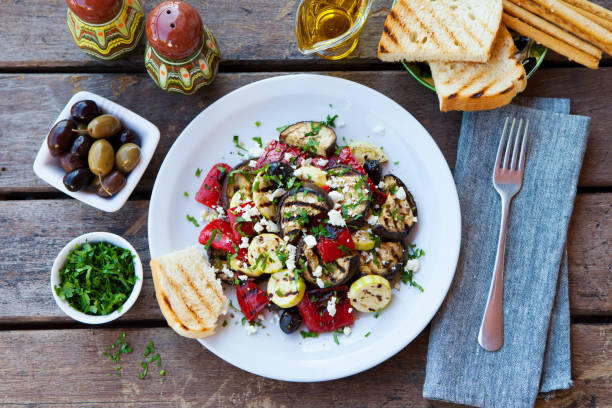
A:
[315,313]
[210,190]
[346,157]
[332,249]
[218,234]
[241,227]
[251,299]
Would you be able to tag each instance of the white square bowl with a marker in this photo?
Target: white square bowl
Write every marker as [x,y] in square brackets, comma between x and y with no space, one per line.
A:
[48,168]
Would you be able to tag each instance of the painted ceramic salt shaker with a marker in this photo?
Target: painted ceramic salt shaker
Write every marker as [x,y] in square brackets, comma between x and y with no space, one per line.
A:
[107,29]
[181,54]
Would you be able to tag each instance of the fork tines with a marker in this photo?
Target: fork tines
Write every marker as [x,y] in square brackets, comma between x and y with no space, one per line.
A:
[509,145]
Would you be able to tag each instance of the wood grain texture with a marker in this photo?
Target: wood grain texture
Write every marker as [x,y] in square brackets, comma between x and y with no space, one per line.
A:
[253,32]
[39,364]
[39,229]
[29,105]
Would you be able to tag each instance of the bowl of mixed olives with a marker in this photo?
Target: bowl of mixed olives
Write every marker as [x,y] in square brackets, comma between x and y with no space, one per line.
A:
[96,151]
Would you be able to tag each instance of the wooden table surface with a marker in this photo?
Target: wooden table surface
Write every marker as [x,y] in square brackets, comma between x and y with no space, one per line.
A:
[48,359]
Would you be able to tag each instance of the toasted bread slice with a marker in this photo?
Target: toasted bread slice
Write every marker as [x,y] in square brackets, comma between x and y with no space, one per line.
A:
[441,30]
[189,295]
[472,86]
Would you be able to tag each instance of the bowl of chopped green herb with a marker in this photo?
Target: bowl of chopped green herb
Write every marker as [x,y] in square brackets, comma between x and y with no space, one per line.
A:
[96,277]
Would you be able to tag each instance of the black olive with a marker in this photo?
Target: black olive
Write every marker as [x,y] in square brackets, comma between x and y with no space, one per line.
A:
[123,137]
[61,136]
[70,161]
[374,170]
[290,320]
[84,111]
[529,64]
[77,179]
[80,146]
[521,42]
[280,173]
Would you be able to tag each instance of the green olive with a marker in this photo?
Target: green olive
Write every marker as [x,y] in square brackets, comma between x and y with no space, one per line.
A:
[127,157]
[104,126]
[101,157]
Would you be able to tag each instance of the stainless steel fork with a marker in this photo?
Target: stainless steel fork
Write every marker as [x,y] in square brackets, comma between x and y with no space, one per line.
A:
[507,179]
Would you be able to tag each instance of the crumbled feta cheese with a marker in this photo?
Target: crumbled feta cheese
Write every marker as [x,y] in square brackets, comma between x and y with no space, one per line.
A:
[413,265]
[350,310]
[248,212]
[372,219]
[369,258]
[307,162]
[228,272]
[255,151]
[317,272]
[379,129]
[336,196]
[382,185]
[291,251]
[243,277]
[400,194]
[310,241]
[288,157]
[347,331]
[335,218]
[244,242]
[286,238]
[414,219]
[259,227]
[322,162]
[251,329]
[270,225]
[252,163]
[336,206]
[320,283]
[276,194]
[340,124]
[331,306]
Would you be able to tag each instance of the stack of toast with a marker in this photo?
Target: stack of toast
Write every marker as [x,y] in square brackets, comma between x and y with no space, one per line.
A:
[472,55]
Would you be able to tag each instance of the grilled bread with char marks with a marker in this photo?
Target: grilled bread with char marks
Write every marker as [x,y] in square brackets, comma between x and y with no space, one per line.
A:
[471,86]
[440,30]
[189,295]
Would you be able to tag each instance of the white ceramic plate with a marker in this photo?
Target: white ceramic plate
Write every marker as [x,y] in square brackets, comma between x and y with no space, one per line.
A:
[288,99]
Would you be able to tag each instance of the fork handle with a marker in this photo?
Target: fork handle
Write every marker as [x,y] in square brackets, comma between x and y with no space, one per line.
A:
[491,334]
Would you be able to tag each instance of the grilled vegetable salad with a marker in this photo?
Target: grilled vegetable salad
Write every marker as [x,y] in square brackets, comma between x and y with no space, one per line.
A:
[318,222]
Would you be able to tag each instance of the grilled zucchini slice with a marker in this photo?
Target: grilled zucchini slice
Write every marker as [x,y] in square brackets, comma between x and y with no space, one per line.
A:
[354,192]
[263,254]
[312,137]
[240,178]
[311,174]
[370,293]
[263,187]
[364,151]
[301,206]
[363,240]
[286,289]
[386,260]
[399,212]
[316,272]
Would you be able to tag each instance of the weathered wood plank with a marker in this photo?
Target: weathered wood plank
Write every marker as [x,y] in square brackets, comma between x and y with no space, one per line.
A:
[196,377]
[30,103]
[37,230]
[257,31]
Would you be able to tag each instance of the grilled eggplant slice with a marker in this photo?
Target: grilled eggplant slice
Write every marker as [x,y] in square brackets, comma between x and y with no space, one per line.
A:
[312,137]
[333,273]
[353,191]
[398,213]
[386,260]
[301,206]
[241,177]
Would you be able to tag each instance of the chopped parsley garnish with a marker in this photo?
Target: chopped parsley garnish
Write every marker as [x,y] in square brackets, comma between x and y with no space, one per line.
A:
[344,249]
[305,334]
[97,278]
[336,338]
[192,220]
[281,128]
[122,347]
[330,121]
[212,238]
[224,323]
[237,143]
[258,139]
[367,334]
[221,169]
[315,128]
[311,145]
[198,172]
[407,278]
[258,124]
[186,194]
[376,313]
[396,162]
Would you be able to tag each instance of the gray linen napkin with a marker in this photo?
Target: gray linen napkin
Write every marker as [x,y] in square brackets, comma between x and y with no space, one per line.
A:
[535,355]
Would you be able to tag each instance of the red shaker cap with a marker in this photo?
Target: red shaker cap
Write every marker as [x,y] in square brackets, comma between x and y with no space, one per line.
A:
[174,29]
[95,11]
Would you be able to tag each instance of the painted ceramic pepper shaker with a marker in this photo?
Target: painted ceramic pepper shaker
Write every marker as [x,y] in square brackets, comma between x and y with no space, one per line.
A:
[106,29]
[181,54]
